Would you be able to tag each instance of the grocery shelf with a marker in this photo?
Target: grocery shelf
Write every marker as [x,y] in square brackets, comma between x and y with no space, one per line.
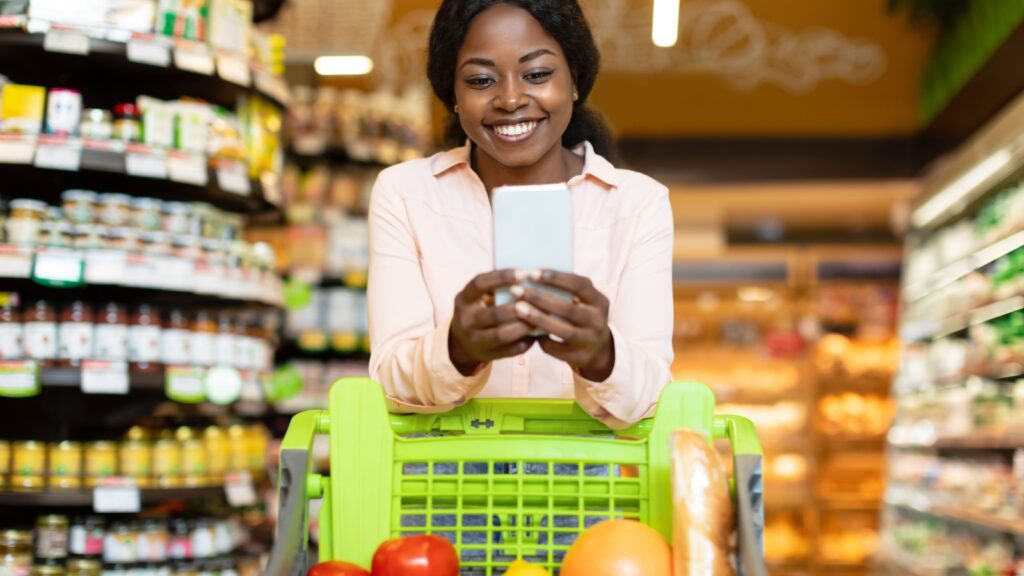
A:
[84,498]
[850,504]
[72,378]
[997,310]
[983,519]
[980,258]
[933,330]
[982,440]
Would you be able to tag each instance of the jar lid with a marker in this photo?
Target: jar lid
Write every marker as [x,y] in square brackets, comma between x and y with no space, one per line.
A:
[28,204]
[126,109]
[146,203]
[96,114]
[175,207]
[115,198]
[48,570]
[76,194]
[101,444]
[67,445]
[52,520]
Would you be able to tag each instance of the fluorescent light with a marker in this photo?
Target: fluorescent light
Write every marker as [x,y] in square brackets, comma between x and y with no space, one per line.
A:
[343,65]
[960,190]
[665,25]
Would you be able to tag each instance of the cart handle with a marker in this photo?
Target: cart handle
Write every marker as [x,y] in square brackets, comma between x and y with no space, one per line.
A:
[748,484]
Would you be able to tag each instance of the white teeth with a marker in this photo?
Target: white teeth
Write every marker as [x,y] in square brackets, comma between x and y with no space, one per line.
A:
[515,129]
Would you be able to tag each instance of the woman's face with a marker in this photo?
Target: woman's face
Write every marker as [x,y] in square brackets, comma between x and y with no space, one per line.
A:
[513,87]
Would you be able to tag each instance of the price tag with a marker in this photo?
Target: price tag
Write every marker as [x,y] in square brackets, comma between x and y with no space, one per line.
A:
[194,58]
[116,496]
[142,271]
[239,489]
[177,273]
[19,378]
[17,149]
[15,261]
[59,156]
[234,69]
[151,165]
[59,268]
[66,41]
[185,384]
[233,177]
[149,51]
[187,168]
[102,377]
[208,279]
[105,266]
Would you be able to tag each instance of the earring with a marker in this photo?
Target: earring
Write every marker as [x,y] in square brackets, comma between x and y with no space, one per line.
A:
[575,95]
[456,108]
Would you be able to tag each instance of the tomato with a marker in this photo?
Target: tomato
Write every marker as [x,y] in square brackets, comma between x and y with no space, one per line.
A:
[426,555]
[336,568]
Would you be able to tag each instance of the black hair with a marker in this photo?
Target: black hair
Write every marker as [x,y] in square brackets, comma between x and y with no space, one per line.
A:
[564,21]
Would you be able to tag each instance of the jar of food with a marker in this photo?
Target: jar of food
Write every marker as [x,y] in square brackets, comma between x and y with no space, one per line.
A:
[193,457]
[24,221]
[153,541]
[144,339]
[223,543]
[112,333]
[225,341]
[179,545]
[202,539]
[115,209]
[51,537]
[120,544]
[146,213]
[204,330]
[76,334]
[56,234]
[86,537]
[119,238]
[47,570]
[127,127]
[79,205]
[5,463]
[176,218]
[167,460]
[238,459]
[16,552]
[186,247]
[135,457]
[96,124]
[100,461]
[257,444]
[83,567]
[28,465]
[176,339]
[65,465]
[218,453]
[86,236]
[11,329]
[41,341]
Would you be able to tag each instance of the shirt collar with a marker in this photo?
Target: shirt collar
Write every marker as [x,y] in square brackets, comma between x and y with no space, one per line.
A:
[594,165]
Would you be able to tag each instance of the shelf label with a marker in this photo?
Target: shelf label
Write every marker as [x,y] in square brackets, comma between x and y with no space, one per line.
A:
[194,58]
[15,261]
[19,378]
[105,266]
[187,168]
[149,51]
[102,377]
[151,165]
[233,177]
[59,268]
[66,41]
[65,156]
[142,271]
[176,273]
[239,489]
[17,149]
[116,496]
[234,69]
[184,384]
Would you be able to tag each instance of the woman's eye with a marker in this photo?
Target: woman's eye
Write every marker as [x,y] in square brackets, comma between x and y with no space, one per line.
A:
[480,81]
[538,76]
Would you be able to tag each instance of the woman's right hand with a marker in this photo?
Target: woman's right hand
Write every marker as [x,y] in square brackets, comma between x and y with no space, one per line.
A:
[482,332]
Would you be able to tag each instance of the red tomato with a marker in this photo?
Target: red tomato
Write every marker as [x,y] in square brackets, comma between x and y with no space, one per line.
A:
[336,568]
[416,556]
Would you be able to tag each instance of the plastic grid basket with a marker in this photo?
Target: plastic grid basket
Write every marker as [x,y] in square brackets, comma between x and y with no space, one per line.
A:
[502,479]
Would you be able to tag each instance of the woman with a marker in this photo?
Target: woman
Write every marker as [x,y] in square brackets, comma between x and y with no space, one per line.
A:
[516,74]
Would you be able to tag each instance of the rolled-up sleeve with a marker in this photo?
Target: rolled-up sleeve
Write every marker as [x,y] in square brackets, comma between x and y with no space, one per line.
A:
[641,322]
[409,345]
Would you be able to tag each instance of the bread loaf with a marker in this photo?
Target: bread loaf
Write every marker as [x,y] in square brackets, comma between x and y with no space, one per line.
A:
[703,514]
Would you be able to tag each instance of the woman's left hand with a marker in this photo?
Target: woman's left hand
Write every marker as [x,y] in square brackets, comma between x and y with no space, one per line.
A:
[577,327]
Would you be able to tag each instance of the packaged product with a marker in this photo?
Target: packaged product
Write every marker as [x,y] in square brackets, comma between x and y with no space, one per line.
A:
[703,514]
[21,108]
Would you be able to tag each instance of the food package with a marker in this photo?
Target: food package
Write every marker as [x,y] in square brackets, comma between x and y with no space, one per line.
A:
[21,108]
[703,513]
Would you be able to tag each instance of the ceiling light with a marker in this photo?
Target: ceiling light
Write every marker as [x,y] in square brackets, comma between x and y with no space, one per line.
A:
[665,25]
[343,65]
[755,294]
[959,192]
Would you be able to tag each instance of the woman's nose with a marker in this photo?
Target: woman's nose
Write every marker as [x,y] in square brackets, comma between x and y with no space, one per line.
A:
[511,97]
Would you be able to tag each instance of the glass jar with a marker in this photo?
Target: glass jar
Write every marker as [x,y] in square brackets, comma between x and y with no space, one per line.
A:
[28,465]
[47,570]
[193,457]
[112,333]
[218,453]
[204,330]
[175,218]
[167,460]
[86,236]
[40,329]
[144,339]
[121,544]
[135,457]
[83,567]
[51,537]
[176,339]
[79,206]
[11,330]
[238,459]
[96,124]
[16,552]
[65,465]
[146,214]
[127,127]
[179,545]
[119,238]
[100,461]
[5,463]
[76,334]
[86,537]
[153,541]
[24,221]
[115,210]
[224,342]
[257,443]
[202,539]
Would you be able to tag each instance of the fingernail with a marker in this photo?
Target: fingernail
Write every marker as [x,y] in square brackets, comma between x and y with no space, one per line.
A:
[517,291]
[536,274]
[523,309]
[522,275]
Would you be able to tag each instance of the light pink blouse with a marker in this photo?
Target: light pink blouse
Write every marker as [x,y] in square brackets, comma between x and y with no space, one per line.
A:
[431,233]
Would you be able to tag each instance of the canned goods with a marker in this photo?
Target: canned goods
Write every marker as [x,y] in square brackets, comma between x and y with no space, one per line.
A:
[65,465]
[51,537]
[28,465]
[100,461]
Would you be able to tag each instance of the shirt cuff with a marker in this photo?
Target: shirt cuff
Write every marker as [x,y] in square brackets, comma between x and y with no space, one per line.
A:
[451,387]
[616,394]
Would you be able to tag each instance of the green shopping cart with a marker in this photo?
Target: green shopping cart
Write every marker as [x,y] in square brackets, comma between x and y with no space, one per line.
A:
[502,479]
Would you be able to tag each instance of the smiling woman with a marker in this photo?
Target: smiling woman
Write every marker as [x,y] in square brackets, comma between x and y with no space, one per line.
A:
[516,75]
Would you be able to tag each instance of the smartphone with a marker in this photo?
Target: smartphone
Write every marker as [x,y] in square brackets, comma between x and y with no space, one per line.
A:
[532,229]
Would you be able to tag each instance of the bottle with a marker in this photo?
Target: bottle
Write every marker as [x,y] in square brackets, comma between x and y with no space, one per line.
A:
[65,465]
[112,333]
[40,329]
[11,330]
[76,335]
[144,339]
[135,457]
